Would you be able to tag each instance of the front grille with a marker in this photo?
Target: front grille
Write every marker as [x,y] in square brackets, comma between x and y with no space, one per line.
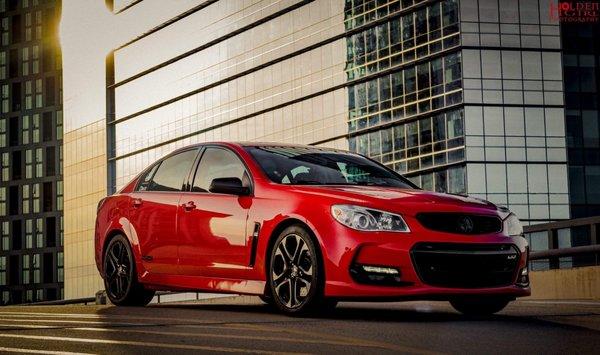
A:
[465,265]
[460,223]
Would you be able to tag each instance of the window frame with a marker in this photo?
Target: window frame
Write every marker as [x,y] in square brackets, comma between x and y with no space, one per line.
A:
[192,175]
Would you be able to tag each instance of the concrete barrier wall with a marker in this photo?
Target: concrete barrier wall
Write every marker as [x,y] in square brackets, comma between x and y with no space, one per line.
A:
[576,283]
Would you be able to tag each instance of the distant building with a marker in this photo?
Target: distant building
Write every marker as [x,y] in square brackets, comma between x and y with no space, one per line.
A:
[31,189]
[581,61]
[460,96]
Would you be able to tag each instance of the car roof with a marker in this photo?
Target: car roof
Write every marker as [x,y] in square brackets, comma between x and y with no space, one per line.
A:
[259,144]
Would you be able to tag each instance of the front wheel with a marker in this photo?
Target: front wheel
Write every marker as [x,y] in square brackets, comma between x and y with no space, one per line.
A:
[294,273]
[479,306]
[120,277]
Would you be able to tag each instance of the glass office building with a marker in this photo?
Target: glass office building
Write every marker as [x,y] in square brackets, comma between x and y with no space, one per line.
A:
[461,96]
[31,190]
[465,97]
[581,55]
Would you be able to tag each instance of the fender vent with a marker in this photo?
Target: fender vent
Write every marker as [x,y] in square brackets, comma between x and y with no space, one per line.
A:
[254,242]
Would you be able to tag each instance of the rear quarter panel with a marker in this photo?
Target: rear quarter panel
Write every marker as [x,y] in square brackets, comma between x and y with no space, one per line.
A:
[112,218]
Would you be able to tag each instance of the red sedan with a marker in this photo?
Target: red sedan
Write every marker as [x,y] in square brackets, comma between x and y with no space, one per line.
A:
[303,227]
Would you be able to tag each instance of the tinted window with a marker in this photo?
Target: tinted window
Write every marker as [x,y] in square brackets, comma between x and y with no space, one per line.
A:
[218,163]
[314,166]
[147,178]
[171,173]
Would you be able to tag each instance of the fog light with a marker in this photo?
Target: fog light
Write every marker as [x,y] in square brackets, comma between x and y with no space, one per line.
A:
[380,270]
[377,275]
[523,279]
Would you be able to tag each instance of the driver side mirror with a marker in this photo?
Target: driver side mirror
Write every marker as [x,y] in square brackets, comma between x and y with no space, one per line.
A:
[229,186]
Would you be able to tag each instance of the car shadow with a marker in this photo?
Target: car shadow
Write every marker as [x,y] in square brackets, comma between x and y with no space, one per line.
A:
[372,313]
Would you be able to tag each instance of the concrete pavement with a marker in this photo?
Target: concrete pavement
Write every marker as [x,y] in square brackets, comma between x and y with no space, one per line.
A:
[245,325]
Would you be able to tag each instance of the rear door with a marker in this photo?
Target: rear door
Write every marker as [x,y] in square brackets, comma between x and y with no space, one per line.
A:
[213,226]
[153,211]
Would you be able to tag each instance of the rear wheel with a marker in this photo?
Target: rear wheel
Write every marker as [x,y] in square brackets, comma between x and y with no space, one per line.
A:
[120,277]
[479,306]
[294,273]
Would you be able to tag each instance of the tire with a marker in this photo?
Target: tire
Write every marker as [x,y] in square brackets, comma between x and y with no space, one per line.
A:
[479,306]
[295,277]
[120,277]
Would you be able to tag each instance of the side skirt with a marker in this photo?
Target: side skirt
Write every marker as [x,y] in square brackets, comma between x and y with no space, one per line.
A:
[201,283]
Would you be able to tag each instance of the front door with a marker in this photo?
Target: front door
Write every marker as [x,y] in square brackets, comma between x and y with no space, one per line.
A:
[153,211]
[213,231]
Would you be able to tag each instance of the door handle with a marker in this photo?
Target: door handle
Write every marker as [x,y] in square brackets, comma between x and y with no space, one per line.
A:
[188,206]
[137,202]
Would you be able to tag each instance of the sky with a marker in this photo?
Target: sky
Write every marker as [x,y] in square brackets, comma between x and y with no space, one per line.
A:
[88,32]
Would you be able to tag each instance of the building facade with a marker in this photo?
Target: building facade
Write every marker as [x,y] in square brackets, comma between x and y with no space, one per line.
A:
[476,100]
[581,55]
[463,97]
[31,189]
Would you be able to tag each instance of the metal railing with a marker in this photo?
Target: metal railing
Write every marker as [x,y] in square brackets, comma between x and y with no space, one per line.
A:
[85,301]
[564,244]
[99,299]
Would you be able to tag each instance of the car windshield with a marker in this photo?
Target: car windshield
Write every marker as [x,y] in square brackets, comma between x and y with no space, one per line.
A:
[315,166]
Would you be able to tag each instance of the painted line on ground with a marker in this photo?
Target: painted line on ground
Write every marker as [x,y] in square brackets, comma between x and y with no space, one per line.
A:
[230,326]
[351,341]
[73,322]
[90,316]
[118,329]
[25,326]
[319,341]
[142,344]
[108,317]
[36,351]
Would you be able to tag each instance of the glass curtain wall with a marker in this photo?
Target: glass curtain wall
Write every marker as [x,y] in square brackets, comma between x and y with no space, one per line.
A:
[405,97]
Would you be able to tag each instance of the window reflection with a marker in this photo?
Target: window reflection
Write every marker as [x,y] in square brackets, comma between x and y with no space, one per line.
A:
[417,145]
[451,180]
[402,39]
[413,91]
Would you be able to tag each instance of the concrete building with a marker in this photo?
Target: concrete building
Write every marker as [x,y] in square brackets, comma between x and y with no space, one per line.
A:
[31,188]
[460,96]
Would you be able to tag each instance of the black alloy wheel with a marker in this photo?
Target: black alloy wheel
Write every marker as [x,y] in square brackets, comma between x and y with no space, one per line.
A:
[295,274]
[120,278]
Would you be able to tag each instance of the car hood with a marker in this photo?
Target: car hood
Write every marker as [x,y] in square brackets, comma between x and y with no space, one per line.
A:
[408,201]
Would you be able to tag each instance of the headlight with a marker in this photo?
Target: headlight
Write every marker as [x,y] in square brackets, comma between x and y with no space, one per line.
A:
[366,219]
[513,226]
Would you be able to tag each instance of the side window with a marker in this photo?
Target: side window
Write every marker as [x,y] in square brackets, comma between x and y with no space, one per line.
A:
[218,163]
[172,172]
[146,179]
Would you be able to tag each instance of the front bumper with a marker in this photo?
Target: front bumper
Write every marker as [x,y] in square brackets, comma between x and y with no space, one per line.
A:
[345,250]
